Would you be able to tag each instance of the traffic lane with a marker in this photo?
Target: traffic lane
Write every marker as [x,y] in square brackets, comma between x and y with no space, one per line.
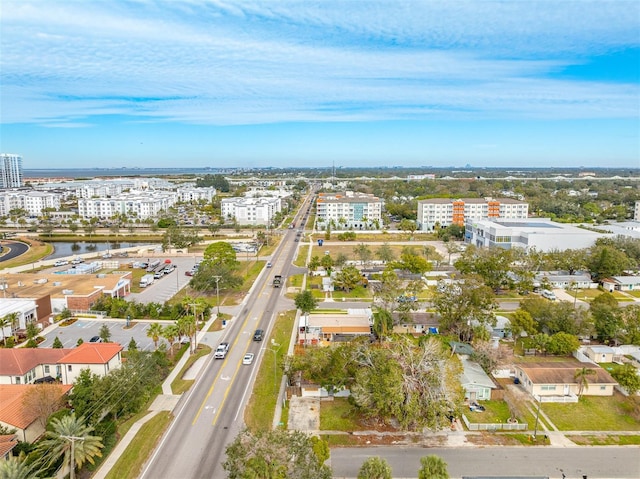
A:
[594,462]
[14,249]
[86,329]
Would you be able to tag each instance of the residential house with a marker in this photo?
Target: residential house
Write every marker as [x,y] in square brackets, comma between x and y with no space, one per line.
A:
[558,380]
[7,443]
[415,323]
[621,283]
[323,329]
[501,329]
[564,280]
[476,383]
[14,415]
[26,365]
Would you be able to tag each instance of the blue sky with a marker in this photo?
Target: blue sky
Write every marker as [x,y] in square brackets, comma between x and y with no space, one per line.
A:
[307,83]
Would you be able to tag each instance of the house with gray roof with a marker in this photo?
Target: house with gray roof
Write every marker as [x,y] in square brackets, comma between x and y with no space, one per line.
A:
[476,383]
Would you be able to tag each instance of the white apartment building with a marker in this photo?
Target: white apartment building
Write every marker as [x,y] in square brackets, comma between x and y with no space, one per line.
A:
[636,211]
[251,211]
[10,170]
[104,188]
[33,202]
[141,205]
[446,211]
[348,210]
[192,194]
[540,234]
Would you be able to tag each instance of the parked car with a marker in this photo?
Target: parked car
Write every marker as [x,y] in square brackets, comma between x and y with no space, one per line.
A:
[188,273]
[248,358]
[61,262]
[550,295]
[475,407]
[77,261]
[95,339]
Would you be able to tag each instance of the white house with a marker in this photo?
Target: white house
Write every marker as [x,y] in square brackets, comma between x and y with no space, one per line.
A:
[99,358]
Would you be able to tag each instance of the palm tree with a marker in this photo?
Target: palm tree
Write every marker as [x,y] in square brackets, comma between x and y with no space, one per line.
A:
[433,467]
[154,332]
[582,376]
[13,320]
[16,467]
[4,322]
[170,332]
[70,437]
[187,326]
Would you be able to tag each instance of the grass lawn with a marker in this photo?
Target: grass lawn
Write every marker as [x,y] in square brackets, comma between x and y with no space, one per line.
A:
[593,413]
[356,293]
[610,440]
[179,385]
[338,415]
[301,259]
[143,444]
[261,407]
[635,294]
[495,412]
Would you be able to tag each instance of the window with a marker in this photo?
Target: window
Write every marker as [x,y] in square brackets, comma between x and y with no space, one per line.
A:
[18,379]
[46,369]
[602,388]
[69,368]
[548,387]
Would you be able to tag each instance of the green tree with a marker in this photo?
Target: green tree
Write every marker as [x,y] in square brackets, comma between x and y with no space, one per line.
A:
[305,302]
[630,318]
[220,252]
[375,468]
[171,332]
[188,327]
[604,261]
[274,454]
[5,322]
[213,277]
[607,321]
[133,346]
[32,331]
[70,437]
[57,344]
[154,332]
[105,333]
[385,253]
[563,344]
[522,322]
[17,467]
[628,377]
[314,263]
[408,225]
[540,342]
[433,467]
[458,304]
[363,253]
[413,263]
[582,376]
[491,264]
[327,262]
[382,322]
[348,278]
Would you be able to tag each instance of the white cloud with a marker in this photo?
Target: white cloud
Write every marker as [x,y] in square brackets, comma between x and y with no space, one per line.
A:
[253,62]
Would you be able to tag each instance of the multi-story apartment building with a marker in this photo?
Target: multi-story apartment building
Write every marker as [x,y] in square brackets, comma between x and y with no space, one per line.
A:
[10,170]
[189,194]
[33,202]
[250,211]
[636,211]
[134,204]
[443,212]
[348,210]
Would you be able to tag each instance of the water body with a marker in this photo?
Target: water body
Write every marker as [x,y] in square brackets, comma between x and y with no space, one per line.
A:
[64,249]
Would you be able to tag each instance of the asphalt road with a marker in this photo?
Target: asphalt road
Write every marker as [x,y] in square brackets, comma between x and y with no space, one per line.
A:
[13,249]
[594,462]
[211,414]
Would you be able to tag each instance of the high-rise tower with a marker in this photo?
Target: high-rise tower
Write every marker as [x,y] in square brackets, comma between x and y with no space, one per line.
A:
[10,170]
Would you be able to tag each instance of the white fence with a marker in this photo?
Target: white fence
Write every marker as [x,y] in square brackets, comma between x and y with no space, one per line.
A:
[499,426]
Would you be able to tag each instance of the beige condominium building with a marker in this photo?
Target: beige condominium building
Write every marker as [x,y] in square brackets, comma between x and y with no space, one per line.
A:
[348,210]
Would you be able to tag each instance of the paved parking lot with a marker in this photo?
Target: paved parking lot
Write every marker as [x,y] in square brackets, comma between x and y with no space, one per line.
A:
[86,329]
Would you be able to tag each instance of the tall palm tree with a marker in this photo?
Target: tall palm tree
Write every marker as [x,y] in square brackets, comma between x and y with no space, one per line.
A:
[70,437]
[154,332]
[582,376]
[4,322]
[188,327]
[15,467]
[13,320]
[170,332]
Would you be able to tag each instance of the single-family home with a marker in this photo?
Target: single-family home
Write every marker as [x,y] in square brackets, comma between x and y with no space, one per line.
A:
[621,283]
[476,383]
[14,415]
[501,329]
[323,329]
[565,280]
[7,443]
[600,354]
[555,379]
[415,323]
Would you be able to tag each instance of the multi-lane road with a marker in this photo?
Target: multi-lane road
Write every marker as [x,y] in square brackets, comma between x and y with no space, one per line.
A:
[211,415]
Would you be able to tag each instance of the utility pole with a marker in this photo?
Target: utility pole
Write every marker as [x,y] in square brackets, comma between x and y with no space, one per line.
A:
[217,278]
[72,464]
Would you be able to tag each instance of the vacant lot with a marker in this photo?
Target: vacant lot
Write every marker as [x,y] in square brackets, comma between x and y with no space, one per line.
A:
[591,413]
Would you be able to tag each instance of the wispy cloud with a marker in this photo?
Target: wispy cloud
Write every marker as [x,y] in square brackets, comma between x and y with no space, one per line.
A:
[263,62]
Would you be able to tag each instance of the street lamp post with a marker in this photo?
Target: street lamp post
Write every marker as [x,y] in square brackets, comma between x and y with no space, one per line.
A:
[217,278]
[275,362]
[535,429]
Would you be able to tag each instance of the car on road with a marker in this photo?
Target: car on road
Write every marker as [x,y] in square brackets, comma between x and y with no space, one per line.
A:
[248,358]
[61,262]
[188,273]
[95,339]
[107,256]
[268,264]
[257,336]
[77,261]
[221,351]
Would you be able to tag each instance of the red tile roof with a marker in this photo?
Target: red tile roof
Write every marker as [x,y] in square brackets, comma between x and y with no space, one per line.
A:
[91,353]
[17,362]
[12,410]
[7,443]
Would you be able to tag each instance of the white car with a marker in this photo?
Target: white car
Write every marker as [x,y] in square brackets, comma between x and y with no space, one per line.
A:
[248,358]
[61,262]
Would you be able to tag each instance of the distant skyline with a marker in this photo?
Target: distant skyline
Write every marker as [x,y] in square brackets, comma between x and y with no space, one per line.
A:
[223,84]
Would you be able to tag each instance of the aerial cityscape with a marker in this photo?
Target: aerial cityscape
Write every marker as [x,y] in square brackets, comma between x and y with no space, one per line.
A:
[341,239]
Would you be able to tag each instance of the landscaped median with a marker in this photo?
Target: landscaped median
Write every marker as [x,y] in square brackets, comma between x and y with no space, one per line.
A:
[179,385]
